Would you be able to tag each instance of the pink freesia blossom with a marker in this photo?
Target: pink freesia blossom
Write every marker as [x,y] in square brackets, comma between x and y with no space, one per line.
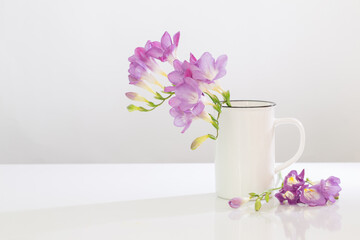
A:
[331,188]
[208,69]
[164,50]
[182,118]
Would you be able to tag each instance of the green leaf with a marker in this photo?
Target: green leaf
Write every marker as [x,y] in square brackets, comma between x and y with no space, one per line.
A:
[151,104]
[217,108]
[226,96]
[141,109]
[158,96]
[252,194]
[267,197]
[216,126]
[257,204]
[213,118]
[212,136]
[214,98]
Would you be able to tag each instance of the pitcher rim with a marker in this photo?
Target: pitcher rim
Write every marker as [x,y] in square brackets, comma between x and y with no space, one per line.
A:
[265,104]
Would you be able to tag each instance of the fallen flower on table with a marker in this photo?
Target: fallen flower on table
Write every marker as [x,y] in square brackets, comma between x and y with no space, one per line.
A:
[295,189]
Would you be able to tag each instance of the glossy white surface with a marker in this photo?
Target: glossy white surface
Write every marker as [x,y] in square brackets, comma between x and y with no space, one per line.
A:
[160,201]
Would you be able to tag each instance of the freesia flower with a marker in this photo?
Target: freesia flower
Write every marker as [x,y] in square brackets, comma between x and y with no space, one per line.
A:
[312,196]
[292,196]
[182,118]
[163,50]
[182,71]
[137,71]
[294,180]
[187,103]
[208,69]
[144,60]
[319,194]
[331,188]
[188,96]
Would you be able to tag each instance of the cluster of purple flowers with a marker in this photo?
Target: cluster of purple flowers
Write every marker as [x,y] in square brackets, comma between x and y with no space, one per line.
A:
[296,190]
[190,80]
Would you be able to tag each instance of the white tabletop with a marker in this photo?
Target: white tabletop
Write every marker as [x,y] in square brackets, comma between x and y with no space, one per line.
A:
[160,201]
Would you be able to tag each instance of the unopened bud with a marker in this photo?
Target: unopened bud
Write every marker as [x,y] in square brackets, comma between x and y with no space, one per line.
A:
[135,97]
[132,108]
[198,141]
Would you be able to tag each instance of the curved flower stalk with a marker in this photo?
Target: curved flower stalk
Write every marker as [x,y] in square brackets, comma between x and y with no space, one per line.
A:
[192,84]
[295,189]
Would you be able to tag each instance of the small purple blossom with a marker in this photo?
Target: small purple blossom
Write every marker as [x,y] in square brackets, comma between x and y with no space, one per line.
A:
[208,69]
[294,180]
[312,196]
[187,103]
[182,71]
[182,118]
[331,188]
[163,50]
[142,59]
[291,196]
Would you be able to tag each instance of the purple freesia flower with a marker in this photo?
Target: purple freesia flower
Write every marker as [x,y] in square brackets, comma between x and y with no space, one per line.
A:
[208,69]
[294,180]
[330,188]
[312,196]
[182,118]
[164,50]
[295,190]
[187,102]
[176,77]
[292,196]
[142,59]
[320,194]
[290,191]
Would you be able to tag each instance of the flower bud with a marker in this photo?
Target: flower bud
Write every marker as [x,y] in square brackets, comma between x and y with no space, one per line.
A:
[132,108]
[257,204]
[238,202]
[198,141]
[135,97]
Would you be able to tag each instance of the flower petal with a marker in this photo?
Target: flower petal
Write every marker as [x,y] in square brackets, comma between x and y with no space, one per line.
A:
[154,52]
[166,40]
[176,38]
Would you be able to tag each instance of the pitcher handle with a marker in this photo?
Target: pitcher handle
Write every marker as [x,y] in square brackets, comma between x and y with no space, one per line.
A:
[293,121]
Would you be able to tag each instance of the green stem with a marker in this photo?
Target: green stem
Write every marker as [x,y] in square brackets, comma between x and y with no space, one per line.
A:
[162,101]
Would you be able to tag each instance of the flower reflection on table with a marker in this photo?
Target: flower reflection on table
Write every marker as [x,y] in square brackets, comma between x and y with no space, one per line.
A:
[297,220]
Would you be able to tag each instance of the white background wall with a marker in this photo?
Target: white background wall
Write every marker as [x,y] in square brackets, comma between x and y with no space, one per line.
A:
[63,75]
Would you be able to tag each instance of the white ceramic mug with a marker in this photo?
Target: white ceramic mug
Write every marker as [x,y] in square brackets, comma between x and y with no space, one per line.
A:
[245,149]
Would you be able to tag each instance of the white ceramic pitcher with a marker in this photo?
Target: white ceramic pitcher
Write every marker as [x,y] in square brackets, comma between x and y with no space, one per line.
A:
[245,150]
